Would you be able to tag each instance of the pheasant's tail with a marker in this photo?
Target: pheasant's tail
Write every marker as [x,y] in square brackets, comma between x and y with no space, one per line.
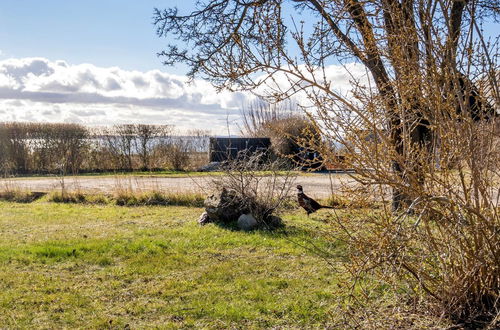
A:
[327,207]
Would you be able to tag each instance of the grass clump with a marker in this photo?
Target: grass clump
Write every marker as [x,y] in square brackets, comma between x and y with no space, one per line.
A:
[157,198]
[336,201]
[76,197]
[20,196]
[130,198]
[97,199]
[186,199]
[67,197]
[355,202]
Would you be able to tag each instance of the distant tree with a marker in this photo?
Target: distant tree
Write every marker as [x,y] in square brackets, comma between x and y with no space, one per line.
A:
[56,147]
[284,123]
[147,136]
[257,113]
[5,162]
[119,142]
[17,145]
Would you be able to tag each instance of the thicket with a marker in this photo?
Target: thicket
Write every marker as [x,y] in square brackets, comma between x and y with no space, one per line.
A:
[59,148]
[288,128]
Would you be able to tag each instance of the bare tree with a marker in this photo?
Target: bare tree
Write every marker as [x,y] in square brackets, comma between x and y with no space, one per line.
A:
[244,45]
[258,113]
[17,140]
[56,145]
[289,129]
[422,123]
[119,141]
[147,137]
[5,159]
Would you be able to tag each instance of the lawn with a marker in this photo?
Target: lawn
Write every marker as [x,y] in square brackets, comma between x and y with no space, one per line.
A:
[67,265]
[95,266]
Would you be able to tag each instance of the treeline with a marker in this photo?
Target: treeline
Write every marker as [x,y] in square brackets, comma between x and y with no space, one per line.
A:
[42,148]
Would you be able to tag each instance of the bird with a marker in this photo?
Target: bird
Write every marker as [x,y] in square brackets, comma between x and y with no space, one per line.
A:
[307,203]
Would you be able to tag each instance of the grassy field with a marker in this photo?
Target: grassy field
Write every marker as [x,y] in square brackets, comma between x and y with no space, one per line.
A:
[94,266]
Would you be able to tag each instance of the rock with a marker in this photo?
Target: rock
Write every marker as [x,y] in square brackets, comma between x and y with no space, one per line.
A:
[224,207]
[210,167]
[204,219]
[274,222]
[247,222]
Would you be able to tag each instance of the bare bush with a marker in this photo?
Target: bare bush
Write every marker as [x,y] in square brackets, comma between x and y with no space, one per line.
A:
[121,141]
[284,123]
[16,142]
[260,186]
[186,151]
[258,113]
[43,147]
[58,147]
[6,165]
[135,146]
[178,153]
[199,150]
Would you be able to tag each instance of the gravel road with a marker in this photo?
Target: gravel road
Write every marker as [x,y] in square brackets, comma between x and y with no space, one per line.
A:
[317,185]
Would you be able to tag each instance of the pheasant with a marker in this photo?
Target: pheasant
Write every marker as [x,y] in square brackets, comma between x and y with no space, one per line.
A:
[307,203]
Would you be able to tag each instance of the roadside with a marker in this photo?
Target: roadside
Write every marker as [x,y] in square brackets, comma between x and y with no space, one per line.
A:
[318,185]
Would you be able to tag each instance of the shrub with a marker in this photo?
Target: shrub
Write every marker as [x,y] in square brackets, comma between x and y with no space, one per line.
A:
[288,129]
[262,186]
[155,198]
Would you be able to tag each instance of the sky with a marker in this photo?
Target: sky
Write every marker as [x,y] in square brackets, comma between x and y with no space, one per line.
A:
[94,62]
[103,32]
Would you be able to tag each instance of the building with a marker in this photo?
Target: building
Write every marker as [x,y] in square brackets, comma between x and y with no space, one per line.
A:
[226,148]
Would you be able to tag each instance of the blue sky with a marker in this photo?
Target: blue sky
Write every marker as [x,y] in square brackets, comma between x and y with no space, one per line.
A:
[104,33]
[101,32]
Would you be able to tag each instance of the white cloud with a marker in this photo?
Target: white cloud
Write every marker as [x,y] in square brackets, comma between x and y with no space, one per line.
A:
[37,89]
[339,78]
[104,96]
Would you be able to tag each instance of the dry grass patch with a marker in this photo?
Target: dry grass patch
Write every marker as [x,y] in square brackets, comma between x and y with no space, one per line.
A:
[156,198]
[20,196]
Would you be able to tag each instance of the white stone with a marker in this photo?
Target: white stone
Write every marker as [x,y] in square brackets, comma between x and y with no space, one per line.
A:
[247,222]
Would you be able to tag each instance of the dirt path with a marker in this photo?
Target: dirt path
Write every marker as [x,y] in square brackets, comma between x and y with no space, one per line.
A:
[317,185]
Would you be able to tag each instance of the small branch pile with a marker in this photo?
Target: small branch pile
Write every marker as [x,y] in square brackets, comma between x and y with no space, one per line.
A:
[254,186]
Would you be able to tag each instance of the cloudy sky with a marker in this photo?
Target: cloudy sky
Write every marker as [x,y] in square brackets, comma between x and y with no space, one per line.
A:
[94,62]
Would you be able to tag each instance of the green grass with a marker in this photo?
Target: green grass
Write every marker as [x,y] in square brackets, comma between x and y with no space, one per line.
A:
[74,265]
[66,265]
[20,196]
